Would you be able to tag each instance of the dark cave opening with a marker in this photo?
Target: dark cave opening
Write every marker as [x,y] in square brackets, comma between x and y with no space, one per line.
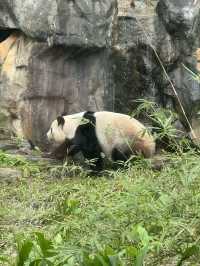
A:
[5,33]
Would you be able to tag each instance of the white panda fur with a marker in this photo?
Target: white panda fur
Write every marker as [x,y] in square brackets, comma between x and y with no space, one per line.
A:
[67,131]
[116,135]
[115,130]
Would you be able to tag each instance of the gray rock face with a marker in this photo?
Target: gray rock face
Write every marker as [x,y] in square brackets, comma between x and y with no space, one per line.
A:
[84,23]
[179,17]
[63,81]
[181,20]
[170,32]
[69,56]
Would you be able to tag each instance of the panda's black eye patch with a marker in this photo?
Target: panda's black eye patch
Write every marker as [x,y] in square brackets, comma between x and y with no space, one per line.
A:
[60,120]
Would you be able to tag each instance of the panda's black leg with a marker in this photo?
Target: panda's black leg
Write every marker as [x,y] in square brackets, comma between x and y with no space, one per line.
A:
[73,149]
[96,168]
[98,165]
[119,156]
[95,161]
[32,145]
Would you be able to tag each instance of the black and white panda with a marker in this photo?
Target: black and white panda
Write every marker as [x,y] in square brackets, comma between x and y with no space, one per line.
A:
[115,135]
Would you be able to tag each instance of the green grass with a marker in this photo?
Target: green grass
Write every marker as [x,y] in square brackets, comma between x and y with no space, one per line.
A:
[127,217]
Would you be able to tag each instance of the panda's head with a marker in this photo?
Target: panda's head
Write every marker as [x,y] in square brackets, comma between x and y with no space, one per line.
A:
[56,133]
[64,128]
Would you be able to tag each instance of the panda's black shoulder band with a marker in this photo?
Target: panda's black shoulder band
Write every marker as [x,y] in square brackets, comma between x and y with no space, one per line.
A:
[88,113]
[90,116]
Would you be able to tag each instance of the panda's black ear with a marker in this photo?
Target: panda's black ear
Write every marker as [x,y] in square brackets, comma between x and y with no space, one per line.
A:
[60,120]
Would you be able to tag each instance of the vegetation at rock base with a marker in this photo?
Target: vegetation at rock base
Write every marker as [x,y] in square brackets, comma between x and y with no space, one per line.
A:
[59,215]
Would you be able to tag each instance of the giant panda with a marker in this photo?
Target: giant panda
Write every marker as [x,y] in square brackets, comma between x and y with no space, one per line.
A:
[101,134]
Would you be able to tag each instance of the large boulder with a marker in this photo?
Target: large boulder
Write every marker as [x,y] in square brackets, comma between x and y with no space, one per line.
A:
[56,61]
[69,56]
[85,23]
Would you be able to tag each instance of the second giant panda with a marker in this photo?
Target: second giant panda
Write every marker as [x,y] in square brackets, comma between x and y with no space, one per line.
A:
[117,136]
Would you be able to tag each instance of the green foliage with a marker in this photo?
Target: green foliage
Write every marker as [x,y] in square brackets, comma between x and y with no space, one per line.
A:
[67,206]
[27,168]
[131,216]
[195,76]
[162,121]
[24,249]
[41,251]
[193,250]
[67,169]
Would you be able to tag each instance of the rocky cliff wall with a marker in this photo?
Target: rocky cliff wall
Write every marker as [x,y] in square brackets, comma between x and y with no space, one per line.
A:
[69,56]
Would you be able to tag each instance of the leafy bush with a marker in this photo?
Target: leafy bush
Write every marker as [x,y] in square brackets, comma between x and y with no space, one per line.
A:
[27,168]
[38,250]
[163,126]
